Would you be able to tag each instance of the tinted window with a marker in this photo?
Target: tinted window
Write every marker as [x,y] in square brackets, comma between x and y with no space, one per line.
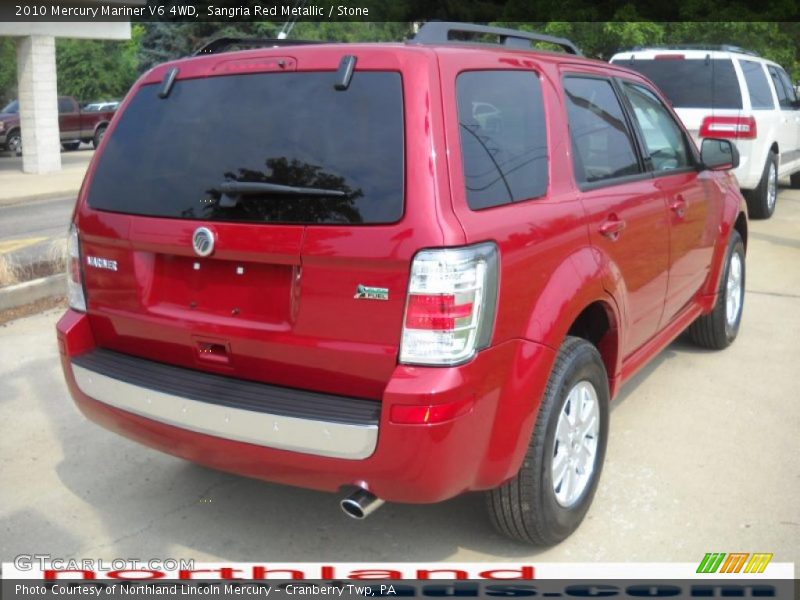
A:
[503,138]
[757,84]
[695,83]
[65,105]
[169,157]
[663,137]
[601,142]
[783,99]
[783,87]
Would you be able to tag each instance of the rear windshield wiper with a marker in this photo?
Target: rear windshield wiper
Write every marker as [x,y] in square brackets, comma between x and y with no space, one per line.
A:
[233,190]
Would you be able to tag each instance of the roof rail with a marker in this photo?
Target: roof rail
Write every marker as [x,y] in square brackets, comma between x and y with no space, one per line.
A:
[438,32]
[228,44]
[712,47]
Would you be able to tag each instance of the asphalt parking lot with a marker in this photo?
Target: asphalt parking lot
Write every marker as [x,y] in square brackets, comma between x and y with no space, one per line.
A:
[703,456]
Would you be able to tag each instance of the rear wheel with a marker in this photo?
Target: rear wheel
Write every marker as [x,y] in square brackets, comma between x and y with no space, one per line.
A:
[719,328]
[98,136]
[548,498]
[70,146]
[761,201]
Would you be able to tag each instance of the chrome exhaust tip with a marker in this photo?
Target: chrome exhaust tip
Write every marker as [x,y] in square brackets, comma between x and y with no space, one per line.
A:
[360,504]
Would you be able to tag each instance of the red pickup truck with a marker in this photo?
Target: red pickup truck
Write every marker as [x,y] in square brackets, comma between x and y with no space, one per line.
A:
[75,125]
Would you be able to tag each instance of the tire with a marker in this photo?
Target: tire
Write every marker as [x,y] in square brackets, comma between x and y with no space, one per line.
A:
[98,136]
[762,200]
[14,142]
[529,508]
[719,328]
[70,146]
[794,179]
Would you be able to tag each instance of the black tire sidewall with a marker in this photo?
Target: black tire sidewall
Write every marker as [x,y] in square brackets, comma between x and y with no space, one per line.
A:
[586,365]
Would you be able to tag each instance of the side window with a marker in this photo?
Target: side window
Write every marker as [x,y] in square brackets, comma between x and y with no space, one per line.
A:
[663,137]
[65,105]
[602,145]
[503,137]
[787,84]
[757,85]
[784,98]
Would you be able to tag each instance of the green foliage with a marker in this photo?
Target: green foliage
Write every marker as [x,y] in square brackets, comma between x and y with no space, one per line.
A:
[97,69]
[8,71]
[94,70]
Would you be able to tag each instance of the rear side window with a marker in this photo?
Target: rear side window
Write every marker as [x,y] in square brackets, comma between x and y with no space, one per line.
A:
[170,157]
[503,137]
[757,85]
[601,141]
[692,83]
[783,87]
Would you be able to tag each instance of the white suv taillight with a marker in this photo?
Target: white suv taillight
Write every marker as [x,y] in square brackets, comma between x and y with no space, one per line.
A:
[743,128]
[452,294]
[75,295]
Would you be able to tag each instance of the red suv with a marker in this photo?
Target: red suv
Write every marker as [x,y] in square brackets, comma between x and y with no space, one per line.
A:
[402,270]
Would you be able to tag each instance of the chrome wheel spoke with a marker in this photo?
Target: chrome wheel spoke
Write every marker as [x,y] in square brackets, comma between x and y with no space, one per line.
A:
[575,444]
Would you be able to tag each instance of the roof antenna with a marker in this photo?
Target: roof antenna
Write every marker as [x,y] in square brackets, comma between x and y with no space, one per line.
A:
[345,72]
[168,82]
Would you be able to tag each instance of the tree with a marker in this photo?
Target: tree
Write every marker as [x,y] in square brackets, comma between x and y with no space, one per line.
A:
[97,69]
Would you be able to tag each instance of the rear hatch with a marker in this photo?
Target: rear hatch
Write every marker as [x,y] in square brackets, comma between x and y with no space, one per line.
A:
[698,83]
[301,188]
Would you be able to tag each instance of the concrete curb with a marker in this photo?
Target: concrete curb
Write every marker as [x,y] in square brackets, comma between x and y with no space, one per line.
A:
[31,291]
[43,196]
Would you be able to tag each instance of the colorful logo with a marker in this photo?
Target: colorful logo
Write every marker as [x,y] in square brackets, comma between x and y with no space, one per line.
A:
[736,562]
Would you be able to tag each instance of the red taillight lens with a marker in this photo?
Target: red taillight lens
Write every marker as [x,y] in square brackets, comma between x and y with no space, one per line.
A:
[435,311]
[669,57]
[729,128]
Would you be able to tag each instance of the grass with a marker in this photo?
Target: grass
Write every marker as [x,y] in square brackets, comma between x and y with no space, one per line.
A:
[55,261]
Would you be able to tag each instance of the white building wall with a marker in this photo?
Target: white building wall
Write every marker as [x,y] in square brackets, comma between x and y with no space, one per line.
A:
[38,101]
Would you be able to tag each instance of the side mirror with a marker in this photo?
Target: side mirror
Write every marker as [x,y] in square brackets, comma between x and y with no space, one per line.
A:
[719,155]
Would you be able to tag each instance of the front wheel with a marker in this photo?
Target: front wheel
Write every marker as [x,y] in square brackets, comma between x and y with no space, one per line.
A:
[719,328]
[548,498]
[14,142]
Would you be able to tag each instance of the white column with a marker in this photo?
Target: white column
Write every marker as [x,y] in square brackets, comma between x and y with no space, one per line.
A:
[38,104]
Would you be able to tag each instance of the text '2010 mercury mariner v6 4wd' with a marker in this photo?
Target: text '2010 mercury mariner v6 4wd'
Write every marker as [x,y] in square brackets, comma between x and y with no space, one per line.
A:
[404,271]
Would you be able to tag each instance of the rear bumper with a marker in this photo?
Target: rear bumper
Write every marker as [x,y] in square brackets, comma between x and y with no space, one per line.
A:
[479,449]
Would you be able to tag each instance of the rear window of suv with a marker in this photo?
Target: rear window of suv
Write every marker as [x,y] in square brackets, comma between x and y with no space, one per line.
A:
[170,157]
[692,83]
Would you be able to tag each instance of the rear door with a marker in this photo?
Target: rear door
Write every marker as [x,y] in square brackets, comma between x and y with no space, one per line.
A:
[69,118]
[277,299]
[627,213]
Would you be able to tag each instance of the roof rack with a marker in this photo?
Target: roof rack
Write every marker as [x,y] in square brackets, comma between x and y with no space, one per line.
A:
[438,32]
[228,44]
[713,47]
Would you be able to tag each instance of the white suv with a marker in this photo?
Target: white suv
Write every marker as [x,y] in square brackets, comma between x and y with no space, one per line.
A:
[727,92]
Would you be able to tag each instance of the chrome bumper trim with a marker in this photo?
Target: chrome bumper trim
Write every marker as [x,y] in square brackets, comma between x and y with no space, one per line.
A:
[321,438]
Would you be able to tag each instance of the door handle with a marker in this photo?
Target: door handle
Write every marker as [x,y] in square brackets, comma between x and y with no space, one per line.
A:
[678,206]
[612,227]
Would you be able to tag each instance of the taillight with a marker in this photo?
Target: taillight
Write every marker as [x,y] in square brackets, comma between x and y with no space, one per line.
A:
[450,308]
[729,127]
[75,294]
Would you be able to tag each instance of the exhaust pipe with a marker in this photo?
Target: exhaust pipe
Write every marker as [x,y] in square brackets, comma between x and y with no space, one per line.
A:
[360,504]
